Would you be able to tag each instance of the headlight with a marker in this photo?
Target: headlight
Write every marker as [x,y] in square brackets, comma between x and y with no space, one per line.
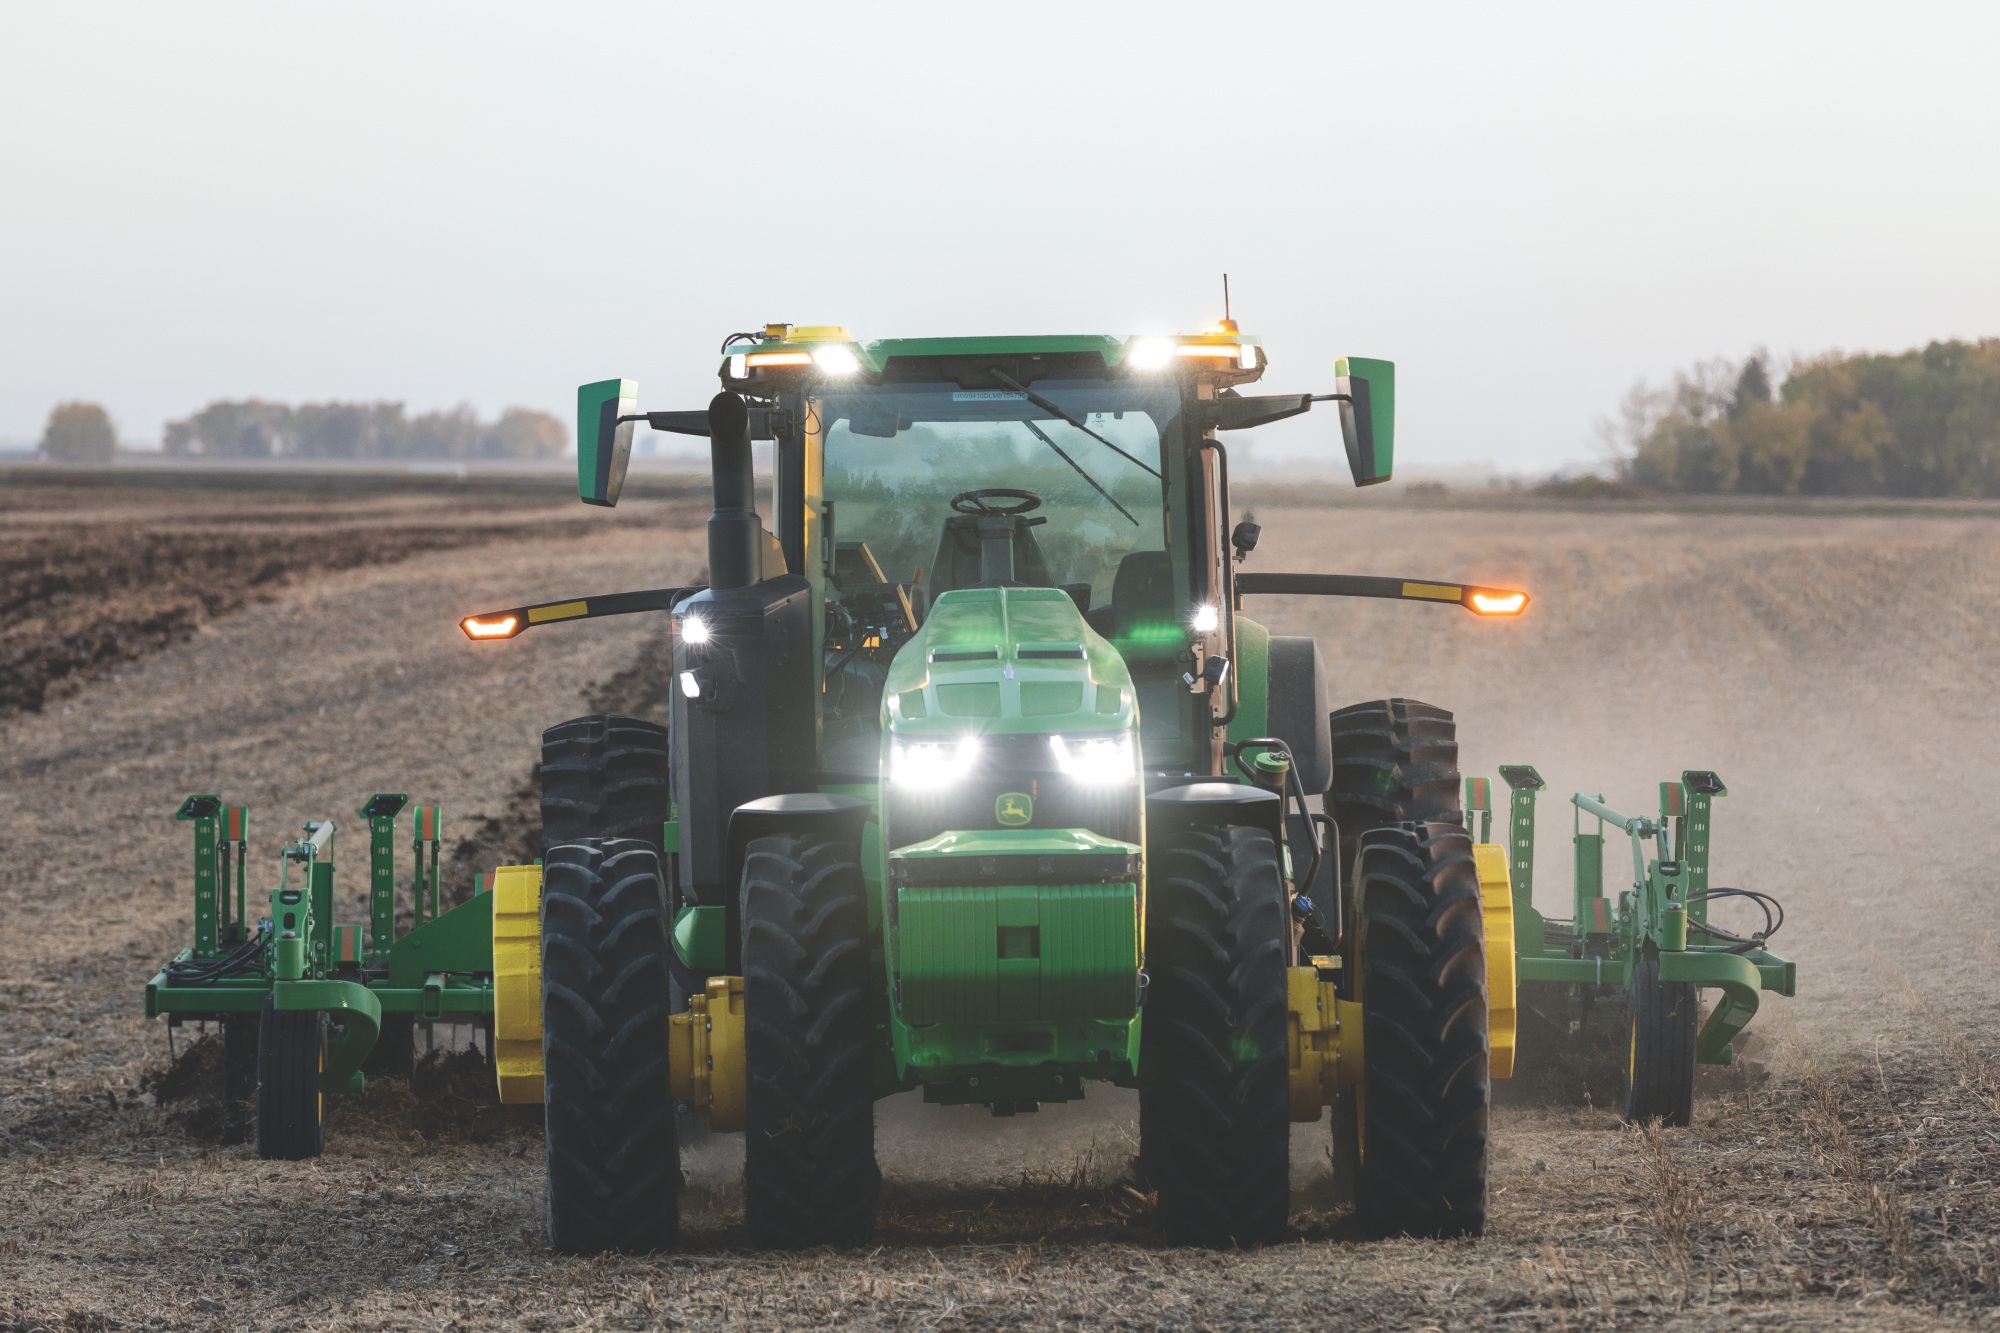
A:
[1150,353]
[1096,759]
[834,359]
[1204,620]
[694,629]
[931,763]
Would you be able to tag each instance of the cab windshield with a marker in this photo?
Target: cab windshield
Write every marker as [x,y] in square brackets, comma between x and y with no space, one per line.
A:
[897,456]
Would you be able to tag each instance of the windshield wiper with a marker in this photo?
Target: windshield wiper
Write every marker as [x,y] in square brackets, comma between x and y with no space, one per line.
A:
[1042,435]
[1053,410]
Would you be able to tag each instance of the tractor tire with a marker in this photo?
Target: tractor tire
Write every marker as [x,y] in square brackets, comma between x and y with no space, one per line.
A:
[1421,975]
[809,1172]
[1344,1118]
[614,1166]
[607,776]
[291,1109]
[1394,761]
[1664,1017]
[1216,1122]
[604,777]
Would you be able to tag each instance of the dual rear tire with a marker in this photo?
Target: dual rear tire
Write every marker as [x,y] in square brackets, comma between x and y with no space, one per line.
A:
[1410,1140]
[810,1176]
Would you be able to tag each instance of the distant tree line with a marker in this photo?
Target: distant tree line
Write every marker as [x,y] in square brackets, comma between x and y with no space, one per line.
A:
[1918,423]
[255,429]
[79,433]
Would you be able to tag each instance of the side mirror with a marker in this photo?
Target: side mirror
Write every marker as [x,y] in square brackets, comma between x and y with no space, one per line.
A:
[1368,417]
[603,442]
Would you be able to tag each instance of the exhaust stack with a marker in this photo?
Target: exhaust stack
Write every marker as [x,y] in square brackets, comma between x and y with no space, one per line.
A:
[733,528]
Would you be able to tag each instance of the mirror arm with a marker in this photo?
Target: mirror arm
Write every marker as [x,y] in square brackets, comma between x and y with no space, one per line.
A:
[696,422]
[1238,413]
[1249,413]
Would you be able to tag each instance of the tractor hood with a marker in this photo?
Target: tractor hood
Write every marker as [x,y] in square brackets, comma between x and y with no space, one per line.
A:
[1000,661]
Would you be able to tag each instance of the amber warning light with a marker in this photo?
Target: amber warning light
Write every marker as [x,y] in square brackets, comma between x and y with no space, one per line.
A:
[501,627]
[1495,602]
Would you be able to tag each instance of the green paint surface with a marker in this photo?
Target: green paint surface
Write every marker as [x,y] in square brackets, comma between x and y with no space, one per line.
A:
[1252,669]
[701,937]
[967,663]
[1017,953]
[593,464]
[459,941]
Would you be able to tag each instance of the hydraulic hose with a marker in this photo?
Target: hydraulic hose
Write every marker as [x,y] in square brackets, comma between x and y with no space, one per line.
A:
[1297,789]
[244,958]
[1774,918]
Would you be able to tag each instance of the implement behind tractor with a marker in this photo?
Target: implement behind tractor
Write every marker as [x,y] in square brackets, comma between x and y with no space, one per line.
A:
[1651,946]
[306,1006]
[976,783]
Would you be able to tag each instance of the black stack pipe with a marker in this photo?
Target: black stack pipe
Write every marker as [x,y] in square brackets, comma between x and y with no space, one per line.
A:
[734,528]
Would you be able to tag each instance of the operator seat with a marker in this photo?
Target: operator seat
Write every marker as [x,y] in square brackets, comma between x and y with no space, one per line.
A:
[960,562]
[1143,622]
[1142,593]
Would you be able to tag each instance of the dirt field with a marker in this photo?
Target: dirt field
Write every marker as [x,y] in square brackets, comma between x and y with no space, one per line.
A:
[1837,671]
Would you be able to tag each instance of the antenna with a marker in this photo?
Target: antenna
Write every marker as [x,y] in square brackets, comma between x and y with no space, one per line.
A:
[1225,296]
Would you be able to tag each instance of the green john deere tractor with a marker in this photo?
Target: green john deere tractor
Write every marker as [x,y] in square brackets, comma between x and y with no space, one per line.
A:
[978,783]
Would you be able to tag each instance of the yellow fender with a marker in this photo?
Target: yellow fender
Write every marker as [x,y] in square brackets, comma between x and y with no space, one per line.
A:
[1496,899]
[517,983]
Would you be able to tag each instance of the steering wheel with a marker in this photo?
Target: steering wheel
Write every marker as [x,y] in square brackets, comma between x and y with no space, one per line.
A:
[979,502]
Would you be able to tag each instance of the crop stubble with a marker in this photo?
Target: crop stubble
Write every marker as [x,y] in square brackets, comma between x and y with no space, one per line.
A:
[1834,669]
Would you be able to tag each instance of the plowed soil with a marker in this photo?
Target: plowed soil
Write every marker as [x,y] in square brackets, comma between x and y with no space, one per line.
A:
[1838,671]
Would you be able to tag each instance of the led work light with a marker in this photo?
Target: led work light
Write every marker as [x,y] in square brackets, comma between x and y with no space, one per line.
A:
[931,763]
[1096,760]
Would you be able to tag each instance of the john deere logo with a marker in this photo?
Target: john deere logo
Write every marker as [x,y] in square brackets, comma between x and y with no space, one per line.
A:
[1014,808]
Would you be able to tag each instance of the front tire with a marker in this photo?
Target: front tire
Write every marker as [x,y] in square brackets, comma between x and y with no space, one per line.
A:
[1216,1122]
[614,1165]
[809,1174]
[1659,1071]
[291,1109]
[1422,979]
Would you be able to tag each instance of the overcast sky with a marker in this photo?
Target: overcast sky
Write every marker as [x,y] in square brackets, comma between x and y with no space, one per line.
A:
[1527,207]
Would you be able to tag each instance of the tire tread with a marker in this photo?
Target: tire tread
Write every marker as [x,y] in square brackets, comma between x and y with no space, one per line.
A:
[613,1163]
[810,1175]
[1216,1122]
[1426,1094]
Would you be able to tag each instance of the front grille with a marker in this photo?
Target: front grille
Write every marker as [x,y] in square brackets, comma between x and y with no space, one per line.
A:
[1010,764]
